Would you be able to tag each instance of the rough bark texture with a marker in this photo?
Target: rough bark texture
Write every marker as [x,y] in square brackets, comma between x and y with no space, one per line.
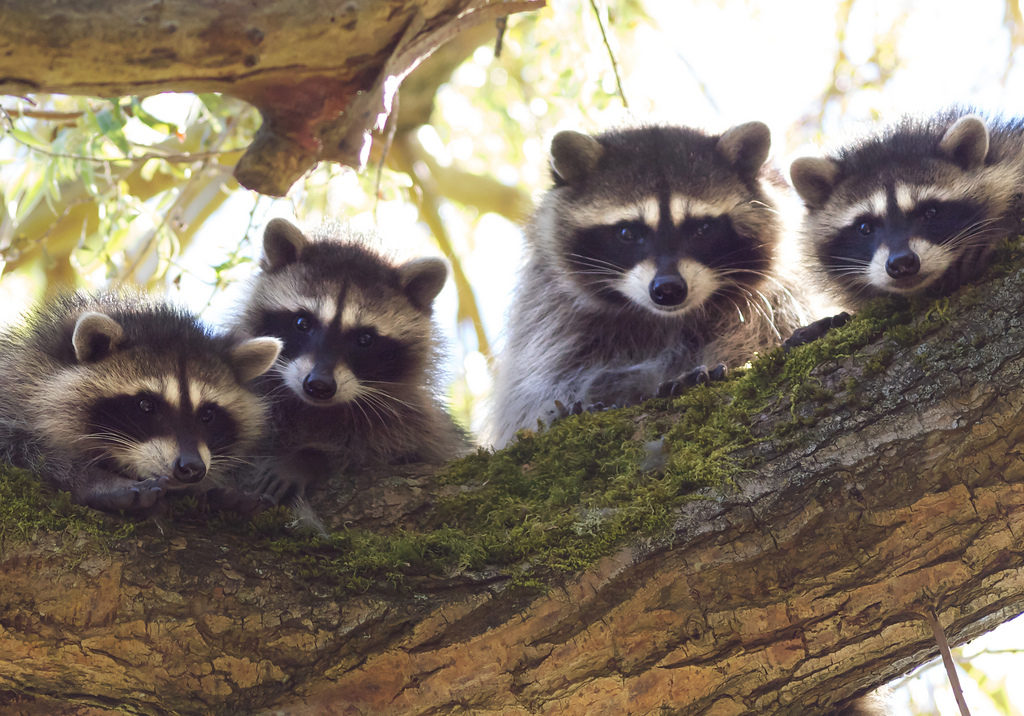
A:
[321,74]
[802,584]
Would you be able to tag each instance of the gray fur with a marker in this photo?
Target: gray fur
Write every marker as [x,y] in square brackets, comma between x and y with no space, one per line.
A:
[567,343]
[574,155]
[953,158]
[345,286]
[77,351]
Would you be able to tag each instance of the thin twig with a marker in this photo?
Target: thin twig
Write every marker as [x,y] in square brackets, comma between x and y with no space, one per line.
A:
[501,24]
[42,114]
[611,55]
[171,158]
[947,661]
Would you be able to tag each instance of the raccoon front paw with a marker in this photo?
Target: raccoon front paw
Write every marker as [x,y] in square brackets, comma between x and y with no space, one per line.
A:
[137,496]
[814,331]
[698,376]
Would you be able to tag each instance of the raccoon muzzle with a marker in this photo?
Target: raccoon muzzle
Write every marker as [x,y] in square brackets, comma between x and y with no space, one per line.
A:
[319,383]
[902,264]
[668,289]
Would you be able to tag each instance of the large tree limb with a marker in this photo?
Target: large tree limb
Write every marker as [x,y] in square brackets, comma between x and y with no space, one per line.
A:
[320,74]
[882,487]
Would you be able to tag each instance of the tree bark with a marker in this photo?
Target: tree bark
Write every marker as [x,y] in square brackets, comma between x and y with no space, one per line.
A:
[897,495]
[322,75]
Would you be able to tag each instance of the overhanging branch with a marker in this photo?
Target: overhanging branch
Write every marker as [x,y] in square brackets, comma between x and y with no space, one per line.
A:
[319,74]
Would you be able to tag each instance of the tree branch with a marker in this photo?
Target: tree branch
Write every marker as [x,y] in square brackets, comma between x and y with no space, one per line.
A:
[320,75]
[850,486]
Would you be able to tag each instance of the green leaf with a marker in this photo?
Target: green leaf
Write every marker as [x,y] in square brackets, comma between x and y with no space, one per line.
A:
[150,120]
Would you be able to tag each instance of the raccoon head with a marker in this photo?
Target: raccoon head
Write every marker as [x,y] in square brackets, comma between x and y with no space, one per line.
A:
[148,408]
[665,219]
[894,214]
[355,327]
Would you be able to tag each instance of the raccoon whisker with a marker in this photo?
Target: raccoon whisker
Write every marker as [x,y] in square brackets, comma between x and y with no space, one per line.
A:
[973,236]
[849,261]
[377,403]
[762,205]
[107,437]
[757,302]
[595,262]
[849,271]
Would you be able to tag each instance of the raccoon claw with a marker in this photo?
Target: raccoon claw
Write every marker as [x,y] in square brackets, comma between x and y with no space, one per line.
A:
[814,331]
[719,372]
[149,491]
[140,495]
[698,376]
[668,389]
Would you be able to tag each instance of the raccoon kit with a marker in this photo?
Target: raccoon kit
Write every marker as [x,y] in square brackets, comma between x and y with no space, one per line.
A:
[918,205]
[356,383]
[654,253]
[120,399]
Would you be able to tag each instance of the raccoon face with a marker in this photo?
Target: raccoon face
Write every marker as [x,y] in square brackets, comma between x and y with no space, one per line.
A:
[669,270]
[326,362]
[146,434]
[671,241]
[353,326]
[899,224]
[151,410]
[907,243]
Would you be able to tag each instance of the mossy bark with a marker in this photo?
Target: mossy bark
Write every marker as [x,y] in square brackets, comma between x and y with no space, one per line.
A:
[319,73]
[877,482]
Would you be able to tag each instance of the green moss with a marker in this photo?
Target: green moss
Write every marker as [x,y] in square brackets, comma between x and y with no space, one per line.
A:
[28,508]
[557,500]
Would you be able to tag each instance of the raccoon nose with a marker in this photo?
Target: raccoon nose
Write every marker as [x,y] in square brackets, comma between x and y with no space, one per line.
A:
[668,290]
[189,469]
[319,387]
[903,264]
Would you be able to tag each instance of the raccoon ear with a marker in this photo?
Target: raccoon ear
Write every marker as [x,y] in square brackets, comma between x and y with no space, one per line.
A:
[746,146]
[254,357]
[814,178]
[574,155]
[283,243]
[423,279]
[966,142]
[96,336]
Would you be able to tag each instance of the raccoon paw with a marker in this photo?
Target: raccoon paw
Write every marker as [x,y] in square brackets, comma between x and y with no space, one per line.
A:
[814,331]
[140,495]
[562,410]
[698,376]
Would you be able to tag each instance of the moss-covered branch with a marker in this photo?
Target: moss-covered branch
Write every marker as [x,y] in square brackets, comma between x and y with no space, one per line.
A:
[765,545]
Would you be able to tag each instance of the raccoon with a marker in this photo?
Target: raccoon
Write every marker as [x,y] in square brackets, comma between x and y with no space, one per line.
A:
[120,399]
[654,254]
[917,205]
[356,383]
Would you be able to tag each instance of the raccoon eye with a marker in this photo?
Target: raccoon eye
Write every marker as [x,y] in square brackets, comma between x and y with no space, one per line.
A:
[364,339]
[930,213]
[303,324]
[629,235]
[702,229]
[865,228]
[146,405]
[207,414]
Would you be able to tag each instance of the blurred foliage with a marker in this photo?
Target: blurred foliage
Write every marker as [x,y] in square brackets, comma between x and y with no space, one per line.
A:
[97,192]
